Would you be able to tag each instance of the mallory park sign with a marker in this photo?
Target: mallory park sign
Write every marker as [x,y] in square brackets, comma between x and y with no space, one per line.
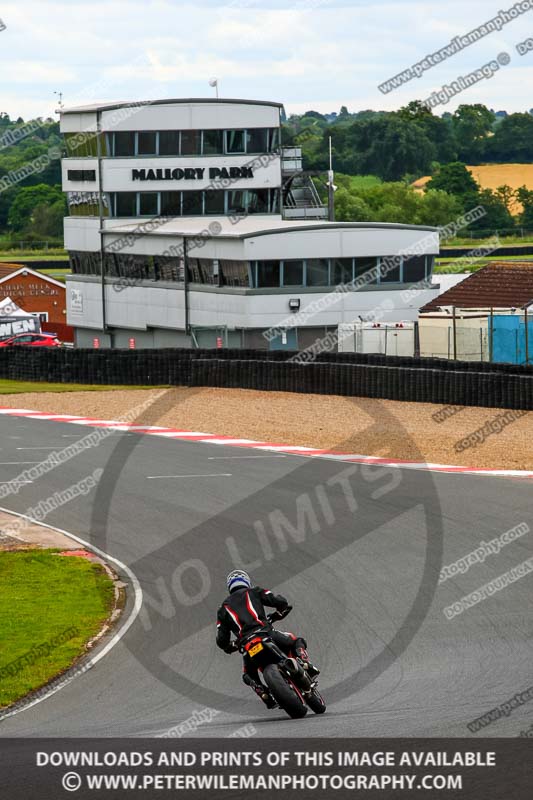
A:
[191,173]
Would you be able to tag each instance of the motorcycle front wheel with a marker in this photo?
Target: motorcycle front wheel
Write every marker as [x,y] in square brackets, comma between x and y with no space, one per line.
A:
[284,692]
[316,702]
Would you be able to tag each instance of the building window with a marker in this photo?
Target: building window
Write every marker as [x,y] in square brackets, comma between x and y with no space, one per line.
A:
[341,271]
[82,263]
[146,143]
[171,204]
[126,204]
[235,141]
[124,143]
[111,264]
[169,143]
[175,143]
[317,272]
[194,273]
[234,273]
[257,140]
[273,140]
[81,174]
[187,203]
[258,201]
[293,273]
[213,143]
[267,274]
[362,266]
[414,269]
[206,271]
[237,201]
[192,204]
[84,144]
[85,204]
[214,202]
[168,269]
[148,202]
[128,265]
[389,269]
[191,143]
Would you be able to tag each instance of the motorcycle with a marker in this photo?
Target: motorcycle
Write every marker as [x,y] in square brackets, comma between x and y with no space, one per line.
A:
[286,677]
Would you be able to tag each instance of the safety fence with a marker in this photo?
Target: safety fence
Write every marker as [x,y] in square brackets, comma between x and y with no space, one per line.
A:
[350,374]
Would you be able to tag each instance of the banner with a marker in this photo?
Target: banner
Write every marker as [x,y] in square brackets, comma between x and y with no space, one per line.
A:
[477,769]
[12,326]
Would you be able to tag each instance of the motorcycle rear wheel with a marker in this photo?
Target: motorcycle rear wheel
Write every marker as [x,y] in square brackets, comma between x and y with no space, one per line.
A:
[285,694]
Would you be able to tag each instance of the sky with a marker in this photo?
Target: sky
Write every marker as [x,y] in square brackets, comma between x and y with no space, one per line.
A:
[307,54]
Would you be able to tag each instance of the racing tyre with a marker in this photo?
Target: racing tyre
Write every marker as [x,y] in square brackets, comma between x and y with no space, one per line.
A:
[316,702]
[284,692]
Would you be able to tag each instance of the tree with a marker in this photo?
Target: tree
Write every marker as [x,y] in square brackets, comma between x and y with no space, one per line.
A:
[525,196]
[437,208]
[351,208]
[455,179]
[26,201]
[47,220]
[396,147]
[315,114]
[471,125]
[497,217]
[507,196]
[438,130]
[362,201]
[415,111]
[513,139]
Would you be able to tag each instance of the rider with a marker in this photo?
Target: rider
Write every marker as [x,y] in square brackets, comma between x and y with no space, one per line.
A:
[242,613]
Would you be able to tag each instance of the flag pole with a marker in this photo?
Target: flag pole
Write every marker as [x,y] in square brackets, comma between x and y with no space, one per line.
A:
[331,188]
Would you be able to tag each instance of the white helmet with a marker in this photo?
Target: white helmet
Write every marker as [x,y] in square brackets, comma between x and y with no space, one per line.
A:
[238,580]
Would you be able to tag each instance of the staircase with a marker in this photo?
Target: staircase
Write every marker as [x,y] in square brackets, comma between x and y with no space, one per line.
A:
[300,197]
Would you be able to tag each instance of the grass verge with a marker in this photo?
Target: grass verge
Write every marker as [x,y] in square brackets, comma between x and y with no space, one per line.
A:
[52,254]
[50,603]
[20,387]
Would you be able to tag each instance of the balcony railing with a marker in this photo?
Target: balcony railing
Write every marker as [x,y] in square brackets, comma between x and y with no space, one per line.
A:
[291,160]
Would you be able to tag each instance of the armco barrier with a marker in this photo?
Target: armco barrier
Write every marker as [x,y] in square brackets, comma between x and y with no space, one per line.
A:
[349,374]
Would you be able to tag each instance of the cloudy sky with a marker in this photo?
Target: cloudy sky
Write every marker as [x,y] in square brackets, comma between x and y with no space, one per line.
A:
[318,54]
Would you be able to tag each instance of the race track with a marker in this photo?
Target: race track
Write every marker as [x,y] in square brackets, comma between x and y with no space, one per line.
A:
[356,549]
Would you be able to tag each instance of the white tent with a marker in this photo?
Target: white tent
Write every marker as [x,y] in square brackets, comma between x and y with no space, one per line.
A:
[14,320]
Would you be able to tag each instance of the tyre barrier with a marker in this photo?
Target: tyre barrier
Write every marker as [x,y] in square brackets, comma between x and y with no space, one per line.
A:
[462,388]
[347,374]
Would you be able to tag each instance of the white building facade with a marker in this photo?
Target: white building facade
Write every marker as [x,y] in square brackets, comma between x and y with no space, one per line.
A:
[190,225]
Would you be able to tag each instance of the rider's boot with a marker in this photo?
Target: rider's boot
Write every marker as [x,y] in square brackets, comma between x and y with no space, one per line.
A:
[261,691]
[303,655]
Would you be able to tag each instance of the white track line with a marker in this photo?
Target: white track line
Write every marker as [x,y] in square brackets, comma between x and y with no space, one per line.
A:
[226,458]
[115,639]
[40,447]
[211,475]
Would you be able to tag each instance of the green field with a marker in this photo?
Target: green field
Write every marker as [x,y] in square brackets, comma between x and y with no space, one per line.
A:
[18,387]
[58,274]
[461,241]
[46,597]
[450,265]
[448,268]
[53,254]
[362,181]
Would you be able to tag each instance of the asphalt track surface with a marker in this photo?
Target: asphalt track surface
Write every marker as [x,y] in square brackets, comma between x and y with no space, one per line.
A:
[361,571]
